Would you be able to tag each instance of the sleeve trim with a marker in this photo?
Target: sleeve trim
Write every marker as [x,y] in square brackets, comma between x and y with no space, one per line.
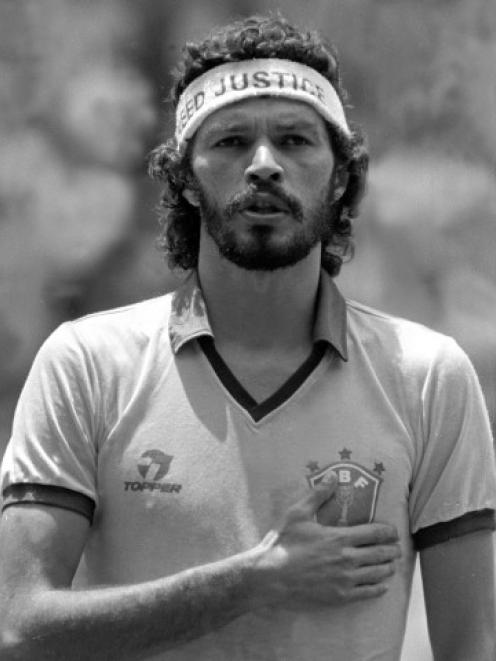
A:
[53,496]
[446,530]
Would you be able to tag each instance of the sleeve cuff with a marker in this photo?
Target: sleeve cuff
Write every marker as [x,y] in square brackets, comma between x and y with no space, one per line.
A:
[446,530]
[43,494]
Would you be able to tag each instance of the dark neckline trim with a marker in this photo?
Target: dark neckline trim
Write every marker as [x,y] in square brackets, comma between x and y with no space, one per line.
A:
[257,410]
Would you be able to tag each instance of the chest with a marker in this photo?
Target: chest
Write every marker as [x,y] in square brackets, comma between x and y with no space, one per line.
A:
[187,457]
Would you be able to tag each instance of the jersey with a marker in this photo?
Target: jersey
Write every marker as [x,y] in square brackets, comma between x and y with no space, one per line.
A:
[132,418]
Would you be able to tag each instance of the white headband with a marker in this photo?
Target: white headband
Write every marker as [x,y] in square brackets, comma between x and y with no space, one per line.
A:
[234,81]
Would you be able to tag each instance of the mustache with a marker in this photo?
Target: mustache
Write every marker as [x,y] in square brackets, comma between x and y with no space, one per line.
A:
[247,197]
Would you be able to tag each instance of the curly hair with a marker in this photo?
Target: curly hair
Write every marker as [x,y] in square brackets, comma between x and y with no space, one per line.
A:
[269,36]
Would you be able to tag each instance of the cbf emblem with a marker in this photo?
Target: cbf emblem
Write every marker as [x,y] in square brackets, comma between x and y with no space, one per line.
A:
[356,495]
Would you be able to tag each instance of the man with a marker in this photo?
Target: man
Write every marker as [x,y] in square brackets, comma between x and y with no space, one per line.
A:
[244,469]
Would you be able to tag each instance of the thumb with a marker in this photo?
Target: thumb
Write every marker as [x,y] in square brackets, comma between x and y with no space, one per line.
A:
[322,492]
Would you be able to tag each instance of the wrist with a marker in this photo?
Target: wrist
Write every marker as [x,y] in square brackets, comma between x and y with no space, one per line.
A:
[259,574]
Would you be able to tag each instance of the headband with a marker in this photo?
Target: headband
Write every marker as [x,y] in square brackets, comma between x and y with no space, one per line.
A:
[234,81]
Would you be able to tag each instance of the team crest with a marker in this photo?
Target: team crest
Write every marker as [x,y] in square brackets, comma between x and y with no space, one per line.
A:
[356,495]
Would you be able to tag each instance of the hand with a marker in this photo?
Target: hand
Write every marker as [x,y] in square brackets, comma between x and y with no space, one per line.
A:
[303,563]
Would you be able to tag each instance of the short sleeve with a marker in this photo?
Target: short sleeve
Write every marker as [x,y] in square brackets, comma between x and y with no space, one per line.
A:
[455,471]
[56,421]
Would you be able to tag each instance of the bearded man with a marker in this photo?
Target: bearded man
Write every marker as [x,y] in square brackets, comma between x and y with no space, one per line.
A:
[246,468]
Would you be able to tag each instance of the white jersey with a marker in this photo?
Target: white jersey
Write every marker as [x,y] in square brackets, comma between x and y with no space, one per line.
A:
[134,413]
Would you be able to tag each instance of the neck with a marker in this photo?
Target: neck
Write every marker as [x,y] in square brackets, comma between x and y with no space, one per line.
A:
[259,309]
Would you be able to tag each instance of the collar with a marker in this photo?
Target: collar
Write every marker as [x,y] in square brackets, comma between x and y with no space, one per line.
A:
[189,316]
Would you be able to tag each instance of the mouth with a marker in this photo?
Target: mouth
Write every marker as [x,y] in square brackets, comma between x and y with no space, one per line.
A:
[264,205]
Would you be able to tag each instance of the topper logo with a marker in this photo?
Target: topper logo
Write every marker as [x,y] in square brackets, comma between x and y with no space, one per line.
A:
[156,458]
[153,466]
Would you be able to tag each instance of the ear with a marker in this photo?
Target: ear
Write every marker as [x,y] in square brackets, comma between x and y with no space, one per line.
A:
[191,196]
[340,181]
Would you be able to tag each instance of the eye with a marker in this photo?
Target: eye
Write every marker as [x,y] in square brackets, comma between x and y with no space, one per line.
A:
[295,140]
[230,141]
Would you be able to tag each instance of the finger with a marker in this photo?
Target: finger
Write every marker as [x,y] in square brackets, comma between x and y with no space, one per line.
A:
[362,556]
[317,496]
[372,575]
[371,533]
[368,592]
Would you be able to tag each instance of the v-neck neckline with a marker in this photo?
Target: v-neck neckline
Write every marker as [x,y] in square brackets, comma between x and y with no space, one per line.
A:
[258,410]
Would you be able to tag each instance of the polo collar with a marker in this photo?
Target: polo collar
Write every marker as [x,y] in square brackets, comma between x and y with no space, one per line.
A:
[189,316]
[331,317]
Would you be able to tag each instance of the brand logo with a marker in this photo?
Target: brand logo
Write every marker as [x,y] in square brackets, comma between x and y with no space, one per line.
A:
[154,460]
[357,491]
[153,466]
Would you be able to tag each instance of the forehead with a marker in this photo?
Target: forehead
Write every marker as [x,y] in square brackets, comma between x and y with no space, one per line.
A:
[275,112]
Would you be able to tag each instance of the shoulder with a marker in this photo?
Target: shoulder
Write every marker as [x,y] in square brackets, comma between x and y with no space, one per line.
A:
[141,318]
[110,334]
[404,342]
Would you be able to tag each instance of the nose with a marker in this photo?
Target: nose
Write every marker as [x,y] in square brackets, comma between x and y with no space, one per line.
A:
[263,166]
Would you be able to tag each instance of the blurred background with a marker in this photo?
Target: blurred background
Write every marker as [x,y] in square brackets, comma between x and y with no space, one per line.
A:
[83,93]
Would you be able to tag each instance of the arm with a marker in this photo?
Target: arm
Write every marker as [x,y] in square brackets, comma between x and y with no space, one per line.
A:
[302,562]
[459,589]
[40,548]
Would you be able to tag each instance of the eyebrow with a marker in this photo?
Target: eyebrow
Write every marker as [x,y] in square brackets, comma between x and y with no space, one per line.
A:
[238,124]
[296,124]
[233,126]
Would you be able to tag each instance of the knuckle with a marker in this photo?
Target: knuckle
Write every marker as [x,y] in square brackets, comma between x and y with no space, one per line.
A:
[348,579]
[385,534]
[374,591]
[384,553]
[372,577]
[384,571]
[344,537]
[349,558]
[392,552]
[382,535]
[377,573]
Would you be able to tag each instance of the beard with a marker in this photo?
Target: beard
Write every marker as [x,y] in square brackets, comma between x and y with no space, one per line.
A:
[259,251]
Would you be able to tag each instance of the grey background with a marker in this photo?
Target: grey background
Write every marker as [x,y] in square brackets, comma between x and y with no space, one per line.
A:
[82,92]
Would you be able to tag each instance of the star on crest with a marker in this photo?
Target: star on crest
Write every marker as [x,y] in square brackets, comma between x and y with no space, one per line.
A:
[379,468]
[313,466]
[345,453]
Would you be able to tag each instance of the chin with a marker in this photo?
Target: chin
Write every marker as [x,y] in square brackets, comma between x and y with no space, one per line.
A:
[265,258]
[262,247]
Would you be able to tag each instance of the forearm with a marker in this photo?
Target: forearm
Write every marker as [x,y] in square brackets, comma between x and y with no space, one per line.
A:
[459,589]
[467,639]
[127,622]
[301,563]
[475,645]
